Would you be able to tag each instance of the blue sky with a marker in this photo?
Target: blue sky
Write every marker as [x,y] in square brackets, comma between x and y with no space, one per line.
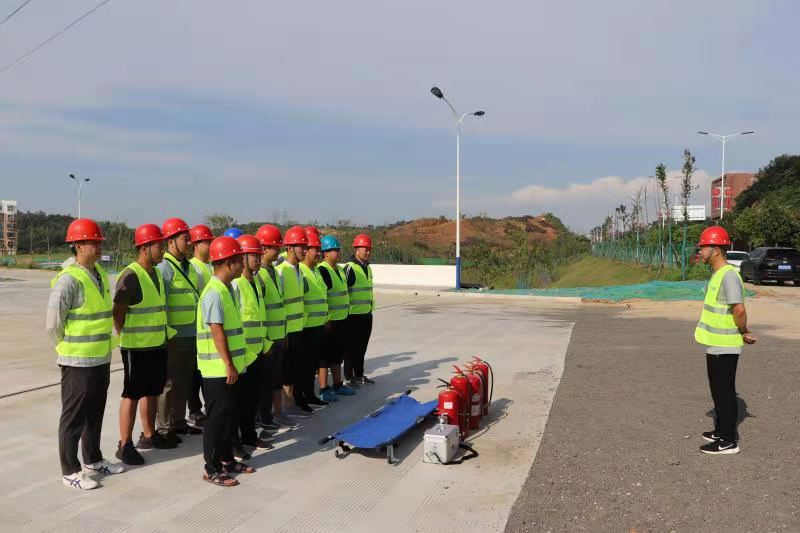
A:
[323,111]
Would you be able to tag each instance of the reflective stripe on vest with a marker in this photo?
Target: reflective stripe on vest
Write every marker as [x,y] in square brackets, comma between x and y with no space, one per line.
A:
[338,297]
[87,332]
[203,270]
[146,322]
[293,289]
[182,296]
[276,313]
[717,326]
[209,361]
[361,298]
[253,315]
[315,301]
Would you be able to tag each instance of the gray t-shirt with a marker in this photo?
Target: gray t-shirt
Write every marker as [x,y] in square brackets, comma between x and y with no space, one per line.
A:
[731,292]
[168,273]
[212,308]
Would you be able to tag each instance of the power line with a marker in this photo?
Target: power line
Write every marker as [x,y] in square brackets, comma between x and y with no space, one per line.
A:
[52,38]
[25,3]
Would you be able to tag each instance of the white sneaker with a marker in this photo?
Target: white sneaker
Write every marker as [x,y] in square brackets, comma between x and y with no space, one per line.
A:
[103,467]
[79,481]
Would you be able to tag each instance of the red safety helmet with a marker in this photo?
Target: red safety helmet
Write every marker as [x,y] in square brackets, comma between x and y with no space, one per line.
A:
[269,235]
[173,226]
[714,236]
[313,240]
[147,233]
[311,229]
[249,244]
[84,229]
[295,236]
[362,241]
[200,233]
[223,248]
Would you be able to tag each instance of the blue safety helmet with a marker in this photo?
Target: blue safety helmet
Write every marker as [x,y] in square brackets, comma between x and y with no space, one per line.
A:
[329,242]
[233,232]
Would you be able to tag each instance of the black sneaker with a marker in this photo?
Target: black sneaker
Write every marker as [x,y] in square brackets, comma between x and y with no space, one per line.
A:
[128,454]
[364,380]
[313,400]
[155,441]
[270,426]
[171,436]
[303,406]
[720,447]
[189,430]
[711,436]
[240,453]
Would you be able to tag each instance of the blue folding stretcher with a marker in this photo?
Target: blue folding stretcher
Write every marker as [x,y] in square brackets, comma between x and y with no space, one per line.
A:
[382,428]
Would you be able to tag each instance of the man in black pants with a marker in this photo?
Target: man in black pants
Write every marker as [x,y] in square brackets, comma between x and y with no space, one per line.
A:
[723,330]
[362,303]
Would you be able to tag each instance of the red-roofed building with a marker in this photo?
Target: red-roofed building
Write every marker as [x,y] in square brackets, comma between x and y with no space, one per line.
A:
[735,184]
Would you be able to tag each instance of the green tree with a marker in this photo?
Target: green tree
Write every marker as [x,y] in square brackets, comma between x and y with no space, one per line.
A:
[687,187]
[219,222]
[769,223]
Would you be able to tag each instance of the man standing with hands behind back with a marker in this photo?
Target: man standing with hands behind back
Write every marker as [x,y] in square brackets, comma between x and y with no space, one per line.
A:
[723,329]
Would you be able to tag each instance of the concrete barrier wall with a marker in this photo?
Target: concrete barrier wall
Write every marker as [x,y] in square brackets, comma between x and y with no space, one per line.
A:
[415,275]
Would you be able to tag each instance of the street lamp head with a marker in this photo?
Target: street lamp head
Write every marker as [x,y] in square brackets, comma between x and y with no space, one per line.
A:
[747,132]
[73,177]
[703,132]
[437,92]
[87,179]
[479,113]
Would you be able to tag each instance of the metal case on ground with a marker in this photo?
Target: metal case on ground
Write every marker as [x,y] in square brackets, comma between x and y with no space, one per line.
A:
[440,444]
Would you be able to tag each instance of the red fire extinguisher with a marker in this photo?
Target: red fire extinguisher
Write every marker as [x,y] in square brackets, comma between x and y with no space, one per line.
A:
[461,384]
[486,372]
[476,398]
[450,404]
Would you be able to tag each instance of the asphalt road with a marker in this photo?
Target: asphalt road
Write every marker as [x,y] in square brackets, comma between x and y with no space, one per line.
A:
[620,449]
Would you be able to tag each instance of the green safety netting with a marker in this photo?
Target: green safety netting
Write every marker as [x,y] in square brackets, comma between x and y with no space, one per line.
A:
[654,290]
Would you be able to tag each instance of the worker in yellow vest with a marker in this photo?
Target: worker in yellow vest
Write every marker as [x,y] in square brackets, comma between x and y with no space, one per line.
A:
[315,315]
[362,303]
[181,283]
[221,353]
[79,323]
[270,413]
[249,292]
[723,330]
[201,240]
[140,316]
[333,344]
[296,244]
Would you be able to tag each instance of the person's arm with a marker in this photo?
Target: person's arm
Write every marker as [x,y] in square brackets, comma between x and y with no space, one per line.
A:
[221,343]
[62,297]
[734,296]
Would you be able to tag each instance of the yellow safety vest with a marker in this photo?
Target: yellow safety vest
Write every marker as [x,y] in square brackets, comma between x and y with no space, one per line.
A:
[254,316]
[209,361]
[315,301]
[276,313]
[182,298]
[717,326]
[87,332]
[362,300]
[146,322]
[204,269]
[338,299]
[293,290]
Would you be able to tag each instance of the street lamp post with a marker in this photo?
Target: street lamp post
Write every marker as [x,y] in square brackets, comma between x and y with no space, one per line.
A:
[437,92]
[723,139]
[80,183]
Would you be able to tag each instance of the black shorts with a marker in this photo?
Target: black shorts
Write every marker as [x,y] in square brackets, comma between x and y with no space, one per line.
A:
[332,353]
[273,366]
[145,372]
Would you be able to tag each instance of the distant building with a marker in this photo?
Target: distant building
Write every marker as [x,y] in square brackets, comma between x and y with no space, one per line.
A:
[694,212]
[8,227]
[735,184]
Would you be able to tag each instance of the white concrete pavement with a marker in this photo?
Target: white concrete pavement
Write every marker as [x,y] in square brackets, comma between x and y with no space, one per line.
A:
[299,486]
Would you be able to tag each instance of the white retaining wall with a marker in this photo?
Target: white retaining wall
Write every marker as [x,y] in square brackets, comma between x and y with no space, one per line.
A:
[415,275]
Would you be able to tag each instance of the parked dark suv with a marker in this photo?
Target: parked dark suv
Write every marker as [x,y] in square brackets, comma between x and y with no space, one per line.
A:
[779,264]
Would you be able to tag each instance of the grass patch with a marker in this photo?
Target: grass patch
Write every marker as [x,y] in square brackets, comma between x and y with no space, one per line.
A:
[591,271]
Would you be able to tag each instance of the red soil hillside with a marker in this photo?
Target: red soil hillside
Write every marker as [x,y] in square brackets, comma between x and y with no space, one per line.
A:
[439,233]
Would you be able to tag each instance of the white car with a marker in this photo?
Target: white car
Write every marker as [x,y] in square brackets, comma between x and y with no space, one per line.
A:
[735,258]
